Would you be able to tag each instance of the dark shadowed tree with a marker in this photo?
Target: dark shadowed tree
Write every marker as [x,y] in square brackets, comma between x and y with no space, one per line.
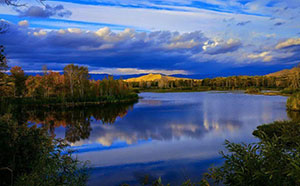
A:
[19,78]
[3,61]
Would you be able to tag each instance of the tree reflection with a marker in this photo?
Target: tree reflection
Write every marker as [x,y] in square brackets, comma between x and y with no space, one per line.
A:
[77,121]
[294,115]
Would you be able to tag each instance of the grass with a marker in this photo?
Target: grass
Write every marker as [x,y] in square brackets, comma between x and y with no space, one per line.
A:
[72,102]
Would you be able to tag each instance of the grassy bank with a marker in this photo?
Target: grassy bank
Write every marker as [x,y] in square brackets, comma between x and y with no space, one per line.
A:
[268,92]
[72,102]
[176,90]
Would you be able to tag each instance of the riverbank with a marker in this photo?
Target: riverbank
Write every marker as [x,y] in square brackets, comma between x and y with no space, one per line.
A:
[263,92]
[174,90]
[72,102]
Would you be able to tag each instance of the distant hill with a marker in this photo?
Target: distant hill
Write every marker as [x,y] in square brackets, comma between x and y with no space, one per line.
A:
[285,72]
[155,77]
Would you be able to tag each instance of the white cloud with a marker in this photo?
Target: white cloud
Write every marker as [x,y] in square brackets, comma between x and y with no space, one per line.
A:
[40,33]
[183,45]
[74,30]
[130,71]
[23,23]
[265,56]
[103,32]
[288,43]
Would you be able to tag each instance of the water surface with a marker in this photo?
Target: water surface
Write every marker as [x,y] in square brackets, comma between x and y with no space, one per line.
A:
[170,135]
[174,135]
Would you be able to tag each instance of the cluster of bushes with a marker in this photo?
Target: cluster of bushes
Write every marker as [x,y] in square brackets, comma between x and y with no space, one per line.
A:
[252,90]
[274,160]
[293,102]
[29,156]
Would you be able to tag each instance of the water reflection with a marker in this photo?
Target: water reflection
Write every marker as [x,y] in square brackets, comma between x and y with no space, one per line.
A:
[162,135]
[294,115]
[75,121]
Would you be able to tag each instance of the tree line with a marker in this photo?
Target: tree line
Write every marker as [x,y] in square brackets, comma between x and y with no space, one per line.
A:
[74,85]
[288,83]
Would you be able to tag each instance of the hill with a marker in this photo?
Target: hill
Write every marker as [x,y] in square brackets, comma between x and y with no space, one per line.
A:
[285,72]
[155,77]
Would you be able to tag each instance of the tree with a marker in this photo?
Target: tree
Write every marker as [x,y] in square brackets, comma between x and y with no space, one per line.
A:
[19,79]
[29,156]
[76,79]
[293,102]
[3,61]
[34,86]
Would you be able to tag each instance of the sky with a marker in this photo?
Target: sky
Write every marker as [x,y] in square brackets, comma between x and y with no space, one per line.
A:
[200,38]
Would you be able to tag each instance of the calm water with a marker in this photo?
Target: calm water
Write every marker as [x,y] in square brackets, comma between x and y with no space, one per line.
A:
[168,135]
[174,135]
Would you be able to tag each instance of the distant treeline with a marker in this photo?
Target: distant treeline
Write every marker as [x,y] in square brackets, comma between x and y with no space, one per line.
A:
[73,86]
[288,83]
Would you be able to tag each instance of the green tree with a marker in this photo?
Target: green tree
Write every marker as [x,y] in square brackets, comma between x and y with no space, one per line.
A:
[76,80]
[6,86]
[3,61]
[29,156]
[19,79]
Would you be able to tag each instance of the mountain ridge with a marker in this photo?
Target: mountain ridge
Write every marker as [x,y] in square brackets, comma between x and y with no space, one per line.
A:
[155,77]
[285,72]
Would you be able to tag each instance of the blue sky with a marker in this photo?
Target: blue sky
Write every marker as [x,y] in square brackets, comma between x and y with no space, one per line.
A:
[193,38]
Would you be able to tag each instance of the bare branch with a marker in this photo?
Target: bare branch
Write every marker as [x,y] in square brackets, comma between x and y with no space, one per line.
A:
[12,3]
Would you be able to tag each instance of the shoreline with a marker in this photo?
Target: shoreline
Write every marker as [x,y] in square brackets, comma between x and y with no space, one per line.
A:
[68,104]
[271,93]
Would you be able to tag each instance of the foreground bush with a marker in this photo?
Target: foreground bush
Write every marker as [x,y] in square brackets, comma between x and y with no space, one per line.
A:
[29,156]
[274,160]
[293,102]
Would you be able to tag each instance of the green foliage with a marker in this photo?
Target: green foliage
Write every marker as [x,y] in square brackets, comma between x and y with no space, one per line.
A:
[252,90]
[3,61]
[289,90]
[274,160]
[73,88]
[293,102]
[294,115]
[29,156]
[158,182]
[53,88]
[19,78]
[288,83]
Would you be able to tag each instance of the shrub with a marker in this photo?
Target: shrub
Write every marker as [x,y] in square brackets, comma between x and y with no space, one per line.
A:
[29,156]
[274,160]
[252,90]
[293,102]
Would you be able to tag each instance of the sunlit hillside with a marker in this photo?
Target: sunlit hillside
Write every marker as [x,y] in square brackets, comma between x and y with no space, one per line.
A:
[154,77]
[285,72]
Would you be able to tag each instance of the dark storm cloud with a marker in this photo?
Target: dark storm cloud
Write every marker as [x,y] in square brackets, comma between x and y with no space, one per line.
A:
[104,48]
[278,24]
[44,12]
[243,23]
[161,50]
